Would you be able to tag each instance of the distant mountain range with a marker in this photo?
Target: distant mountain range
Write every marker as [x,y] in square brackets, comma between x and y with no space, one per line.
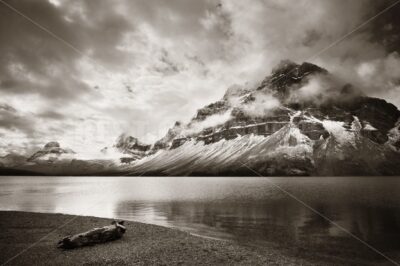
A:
[301,120]
[54,160]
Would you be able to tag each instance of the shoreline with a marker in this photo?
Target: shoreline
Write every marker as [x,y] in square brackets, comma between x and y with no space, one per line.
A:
[142,244]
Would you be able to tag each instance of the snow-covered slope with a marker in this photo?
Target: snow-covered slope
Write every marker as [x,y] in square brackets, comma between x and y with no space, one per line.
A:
[286,152]
[274,130]
[300,120]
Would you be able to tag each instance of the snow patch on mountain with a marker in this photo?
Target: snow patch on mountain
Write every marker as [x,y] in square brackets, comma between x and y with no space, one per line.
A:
[339,132]
[197,157]
[369,127]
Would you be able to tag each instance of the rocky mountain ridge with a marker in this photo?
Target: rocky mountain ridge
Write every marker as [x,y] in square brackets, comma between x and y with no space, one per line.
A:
[129,148]
[333,133]
[300,120]
[52,159]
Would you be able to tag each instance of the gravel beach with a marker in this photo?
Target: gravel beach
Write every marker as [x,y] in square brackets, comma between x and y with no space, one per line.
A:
[142,244]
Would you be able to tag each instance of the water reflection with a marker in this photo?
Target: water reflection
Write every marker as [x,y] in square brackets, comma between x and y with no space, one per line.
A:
[248,210]
[281,222]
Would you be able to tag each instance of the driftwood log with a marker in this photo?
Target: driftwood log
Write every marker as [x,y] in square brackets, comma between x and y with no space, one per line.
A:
[94,236]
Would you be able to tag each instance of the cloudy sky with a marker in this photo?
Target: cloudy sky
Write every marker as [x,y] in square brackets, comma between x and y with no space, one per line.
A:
[83,72]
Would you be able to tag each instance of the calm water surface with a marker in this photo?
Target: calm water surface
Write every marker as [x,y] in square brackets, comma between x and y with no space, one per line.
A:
[248,210]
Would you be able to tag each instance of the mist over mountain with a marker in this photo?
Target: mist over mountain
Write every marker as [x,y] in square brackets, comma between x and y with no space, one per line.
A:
[300,120]
[172,114]
[51,152]
[137,71]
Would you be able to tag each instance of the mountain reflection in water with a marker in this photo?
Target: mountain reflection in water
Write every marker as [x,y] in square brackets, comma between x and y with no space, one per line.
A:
[248,210]
[282,221]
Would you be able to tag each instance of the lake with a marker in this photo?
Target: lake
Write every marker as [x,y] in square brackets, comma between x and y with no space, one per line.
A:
[249,210]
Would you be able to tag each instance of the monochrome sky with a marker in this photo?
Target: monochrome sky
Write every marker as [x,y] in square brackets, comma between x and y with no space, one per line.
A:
[136,67]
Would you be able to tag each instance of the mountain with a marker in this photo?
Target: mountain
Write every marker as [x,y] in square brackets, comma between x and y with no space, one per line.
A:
[12,160]
[53,159]
[166,141]
[127,148]
[131,145]
[51,152]
[300,120]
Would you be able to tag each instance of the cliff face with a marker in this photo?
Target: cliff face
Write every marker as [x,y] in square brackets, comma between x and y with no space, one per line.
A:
[286,75]
[127,148]
[172,134]
[299,121]
[130,145]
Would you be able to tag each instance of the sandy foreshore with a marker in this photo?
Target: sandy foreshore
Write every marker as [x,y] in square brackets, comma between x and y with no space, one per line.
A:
[143,244]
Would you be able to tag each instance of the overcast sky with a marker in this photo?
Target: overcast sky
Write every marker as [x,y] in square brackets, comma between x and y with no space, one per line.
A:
[137,66]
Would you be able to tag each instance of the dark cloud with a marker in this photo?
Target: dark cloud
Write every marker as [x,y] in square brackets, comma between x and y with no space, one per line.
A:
[100,28]
[155,61]
[167,67]
[36,62]
[386,29]
[311,37]
[49,114]
[175,18]
[7,108]
[11,119]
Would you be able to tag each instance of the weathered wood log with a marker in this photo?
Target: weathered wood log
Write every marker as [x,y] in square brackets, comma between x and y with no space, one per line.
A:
[94,236]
